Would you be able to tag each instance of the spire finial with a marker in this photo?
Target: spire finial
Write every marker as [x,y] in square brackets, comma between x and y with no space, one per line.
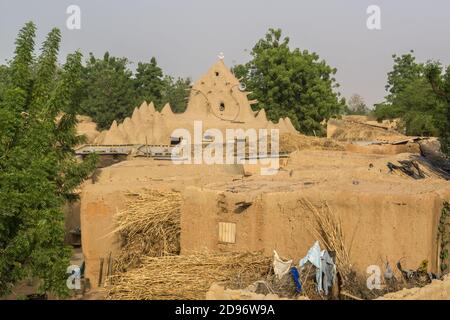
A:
[221,56]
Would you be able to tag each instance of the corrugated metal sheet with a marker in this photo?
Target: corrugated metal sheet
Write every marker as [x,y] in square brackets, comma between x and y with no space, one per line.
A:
[227,232]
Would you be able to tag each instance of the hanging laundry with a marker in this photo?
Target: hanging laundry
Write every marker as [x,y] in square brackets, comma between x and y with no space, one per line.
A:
[280,267]
[296,277]
[314,257]
[328,269]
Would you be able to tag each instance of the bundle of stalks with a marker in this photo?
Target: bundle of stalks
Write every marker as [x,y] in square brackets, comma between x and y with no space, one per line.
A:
[290,142]
[326,226]
[354,131]
[149,225]
[188,277]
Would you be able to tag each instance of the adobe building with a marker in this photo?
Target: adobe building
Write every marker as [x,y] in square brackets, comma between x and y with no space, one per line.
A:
[217,100]
[385,216]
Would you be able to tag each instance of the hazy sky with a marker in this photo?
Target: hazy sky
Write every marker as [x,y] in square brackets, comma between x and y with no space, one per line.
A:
[186,36]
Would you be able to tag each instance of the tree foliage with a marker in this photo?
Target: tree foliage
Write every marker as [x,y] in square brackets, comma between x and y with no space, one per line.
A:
[417,94]
[4,72]
[111,91]
[38,170]
[176,93]
[108,90]
[440,83]
[148,82]
[291,83]
[405,71]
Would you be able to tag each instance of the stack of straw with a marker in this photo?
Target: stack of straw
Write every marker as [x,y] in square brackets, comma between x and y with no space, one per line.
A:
[149,226]
[290,142]
[326,226]
[188,277]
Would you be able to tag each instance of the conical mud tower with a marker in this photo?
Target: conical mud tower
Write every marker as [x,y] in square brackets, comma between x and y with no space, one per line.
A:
[216,99]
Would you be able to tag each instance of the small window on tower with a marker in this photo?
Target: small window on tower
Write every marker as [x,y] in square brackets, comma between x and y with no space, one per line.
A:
[222,106]
[217,73]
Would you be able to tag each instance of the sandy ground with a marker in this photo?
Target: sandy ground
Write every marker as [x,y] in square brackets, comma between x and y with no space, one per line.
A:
[437,290]
[218,292]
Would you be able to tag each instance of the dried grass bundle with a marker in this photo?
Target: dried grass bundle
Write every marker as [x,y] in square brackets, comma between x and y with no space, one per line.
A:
[188,277]
[149,225]
[290,142]
[355,131]
[327,227]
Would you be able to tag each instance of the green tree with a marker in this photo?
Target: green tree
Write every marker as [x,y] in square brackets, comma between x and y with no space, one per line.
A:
[148,82]
[176,92]
[38,170]
[440,83]
[291,83]
[404,71]
[411,97]
[419,108]
[108,90]
[3,79]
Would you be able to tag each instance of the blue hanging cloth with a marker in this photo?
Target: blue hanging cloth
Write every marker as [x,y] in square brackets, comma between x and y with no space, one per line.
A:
[296,276]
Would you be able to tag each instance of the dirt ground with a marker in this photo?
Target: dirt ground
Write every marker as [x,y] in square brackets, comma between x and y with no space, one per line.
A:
[437,290]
